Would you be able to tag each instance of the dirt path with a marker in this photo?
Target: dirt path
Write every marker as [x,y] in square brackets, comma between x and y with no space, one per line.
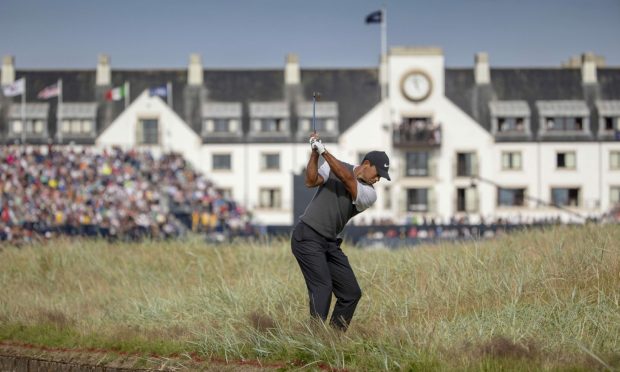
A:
[21,357]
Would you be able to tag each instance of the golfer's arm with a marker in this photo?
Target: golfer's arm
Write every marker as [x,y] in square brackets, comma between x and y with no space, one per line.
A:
[343,174]
[313,178]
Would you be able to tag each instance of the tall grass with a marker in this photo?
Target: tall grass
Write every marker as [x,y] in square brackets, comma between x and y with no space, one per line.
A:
[537,299]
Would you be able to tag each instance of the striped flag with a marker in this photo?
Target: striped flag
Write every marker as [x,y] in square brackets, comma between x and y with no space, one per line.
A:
[49,92]
[115,94]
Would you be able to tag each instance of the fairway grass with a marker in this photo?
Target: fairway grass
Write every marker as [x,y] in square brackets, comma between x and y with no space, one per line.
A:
[539,299]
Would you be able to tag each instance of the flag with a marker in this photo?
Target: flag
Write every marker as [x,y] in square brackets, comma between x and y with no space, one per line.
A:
[159,91]
[115,94]
[49,92]
[374,17]
[14,89]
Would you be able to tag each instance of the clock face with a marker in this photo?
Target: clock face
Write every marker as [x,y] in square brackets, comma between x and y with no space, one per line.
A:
[416,86]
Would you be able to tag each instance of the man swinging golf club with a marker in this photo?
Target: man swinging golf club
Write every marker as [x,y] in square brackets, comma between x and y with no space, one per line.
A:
[343,191]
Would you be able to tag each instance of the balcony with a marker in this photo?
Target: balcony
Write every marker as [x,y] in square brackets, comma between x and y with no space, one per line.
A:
[417,134]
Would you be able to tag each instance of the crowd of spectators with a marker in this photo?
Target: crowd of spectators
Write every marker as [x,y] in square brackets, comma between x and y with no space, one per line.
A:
[51,191]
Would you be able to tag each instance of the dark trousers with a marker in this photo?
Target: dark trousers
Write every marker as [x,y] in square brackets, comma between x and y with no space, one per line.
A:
[326,269]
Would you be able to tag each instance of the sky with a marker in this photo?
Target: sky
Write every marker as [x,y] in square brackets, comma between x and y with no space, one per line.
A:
[323,33]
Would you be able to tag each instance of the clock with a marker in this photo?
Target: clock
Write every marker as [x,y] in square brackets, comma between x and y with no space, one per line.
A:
[416,86]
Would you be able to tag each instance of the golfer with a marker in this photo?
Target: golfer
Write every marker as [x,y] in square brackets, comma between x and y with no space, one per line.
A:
[343,191]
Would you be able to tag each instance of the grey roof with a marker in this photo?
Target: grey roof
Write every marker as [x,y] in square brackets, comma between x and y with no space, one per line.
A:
[611,108]
[530,85]
[352,92]
[509,108]
[75,110]
[31,111]
[562,108]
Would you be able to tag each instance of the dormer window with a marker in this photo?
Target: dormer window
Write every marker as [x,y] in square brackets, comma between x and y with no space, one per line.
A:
[271,125]
[221,119]
[511,124]
[269,118]
[563,117]
[609,119]
[326,122]
[77,119]
[35,124]
[564,124]
[510,118]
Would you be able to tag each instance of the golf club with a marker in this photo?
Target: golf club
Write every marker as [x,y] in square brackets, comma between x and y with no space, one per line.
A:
[315,96]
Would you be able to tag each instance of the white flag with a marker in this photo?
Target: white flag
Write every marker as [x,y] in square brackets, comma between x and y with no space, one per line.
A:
[14,89]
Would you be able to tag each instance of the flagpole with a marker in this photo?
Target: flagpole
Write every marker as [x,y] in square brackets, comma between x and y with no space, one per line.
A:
[169,93]
[24,114]
[58,115]
[383,47]
[126,91]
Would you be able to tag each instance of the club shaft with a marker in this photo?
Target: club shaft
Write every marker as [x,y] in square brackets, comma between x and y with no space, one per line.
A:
[314,112]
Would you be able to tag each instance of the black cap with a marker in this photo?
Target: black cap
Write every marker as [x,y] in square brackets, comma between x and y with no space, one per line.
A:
[381,161]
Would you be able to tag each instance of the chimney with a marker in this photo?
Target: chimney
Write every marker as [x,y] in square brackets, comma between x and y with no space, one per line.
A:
[482,72]
[588,68]
[103,70]
[8,70]
[291,70]
[194,70]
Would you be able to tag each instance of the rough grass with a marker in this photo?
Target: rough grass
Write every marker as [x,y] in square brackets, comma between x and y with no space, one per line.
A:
[533,300]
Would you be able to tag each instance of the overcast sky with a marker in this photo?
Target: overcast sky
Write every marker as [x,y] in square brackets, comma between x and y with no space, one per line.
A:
[324,33]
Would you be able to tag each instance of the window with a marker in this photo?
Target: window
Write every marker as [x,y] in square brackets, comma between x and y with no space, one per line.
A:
[36,126]
[321,124]
[417,164]
[417,200]
[510,124]
[270,162]
[87,126]
[510,197]
[17,126]
[614,160]
[270,198]
[609,124]
[559,124]
[271,125]
[66,126]
[565,196]
[76,126]
[466,164]
[221,125]
[566,160]
[221,162]
[511,160]
[148,132]
[460,199]
[466,199]
[614,195]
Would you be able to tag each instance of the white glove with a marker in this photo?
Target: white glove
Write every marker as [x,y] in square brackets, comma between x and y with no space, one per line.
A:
[317,145]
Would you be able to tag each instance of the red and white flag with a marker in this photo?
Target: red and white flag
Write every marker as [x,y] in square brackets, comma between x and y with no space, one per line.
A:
[49,92]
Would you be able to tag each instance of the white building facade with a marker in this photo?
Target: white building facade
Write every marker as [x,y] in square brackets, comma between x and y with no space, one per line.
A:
[475,143]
